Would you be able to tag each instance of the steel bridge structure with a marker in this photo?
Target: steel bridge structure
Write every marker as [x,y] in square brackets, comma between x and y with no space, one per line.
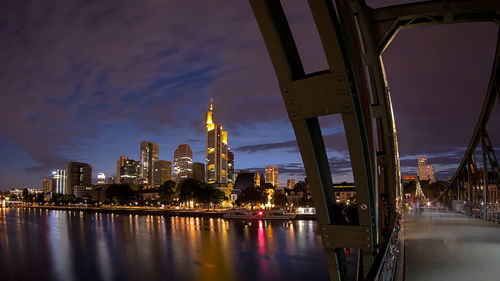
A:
[354,37]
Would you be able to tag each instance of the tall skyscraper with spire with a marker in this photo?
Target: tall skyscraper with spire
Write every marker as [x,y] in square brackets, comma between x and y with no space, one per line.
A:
[217,152]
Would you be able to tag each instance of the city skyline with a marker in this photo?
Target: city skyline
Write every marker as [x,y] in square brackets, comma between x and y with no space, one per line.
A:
[93,96]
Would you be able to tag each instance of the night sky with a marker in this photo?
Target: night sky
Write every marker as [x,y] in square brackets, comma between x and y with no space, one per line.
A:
[89,80]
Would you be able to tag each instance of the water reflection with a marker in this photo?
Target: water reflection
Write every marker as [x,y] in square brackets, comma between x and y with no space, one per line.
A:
[60,245]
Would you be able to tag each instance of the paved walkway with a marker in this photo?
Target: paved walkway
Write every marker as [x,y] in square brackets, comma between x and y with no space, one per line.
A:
[450,246]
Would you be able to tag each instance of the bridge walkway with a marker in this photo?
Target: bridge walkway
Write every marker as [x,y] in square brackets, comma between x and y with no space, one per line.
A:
[450,246]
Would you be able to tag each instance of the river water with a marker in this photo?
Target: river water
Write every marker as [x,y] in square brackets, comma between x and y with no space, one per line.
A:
[42,245]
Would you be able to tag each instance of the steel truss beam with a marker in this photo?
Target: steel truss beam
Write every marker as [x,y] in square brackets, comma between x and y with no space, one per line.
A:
[388,21]
[492,95]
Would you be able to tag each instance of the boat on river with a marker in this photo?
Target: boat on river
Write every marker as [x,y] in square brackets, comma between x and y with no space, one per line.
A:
[258,215]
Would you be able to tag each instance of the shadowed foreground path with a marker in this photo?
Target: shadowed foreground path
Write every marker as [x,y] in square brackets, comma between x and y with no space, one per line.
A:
[450,246]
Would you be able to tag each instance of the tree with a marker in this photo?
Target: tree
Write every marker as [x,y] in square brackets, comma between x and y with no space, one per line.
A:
[189,190]
[409,187]
[300,186]
[167,191]
[279,199]
[27,197]
[433,190]
[119,193]
[252,196]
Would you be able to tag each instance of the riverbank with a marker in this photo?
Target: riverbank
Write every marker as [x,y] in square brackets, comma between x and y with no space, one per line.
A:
[150,211]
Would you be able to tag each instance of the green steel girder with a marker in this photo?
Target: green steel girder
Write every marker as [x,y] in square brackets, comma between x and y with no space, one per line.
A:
[388,21]
[492,95]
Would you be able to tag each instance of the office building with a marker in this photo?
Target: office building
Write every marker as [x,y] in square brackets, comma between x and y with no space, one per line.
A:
[78,174]
[231,178]
[59,178]
[101,178]
[199,171]
[216,153]
[48,185]
[162,172]
[183,162]
[149,152]
[290,183]
[425,170]
[127,170]
[272,176]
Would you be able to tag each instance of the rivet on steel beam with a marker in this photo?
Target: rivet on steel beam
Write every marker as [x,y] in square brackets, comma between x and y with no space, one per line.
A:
[340,78]
[287,90]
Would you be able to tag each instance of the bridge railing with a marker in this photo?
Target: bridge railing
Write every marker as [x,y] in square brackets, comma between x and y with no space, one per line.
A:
[487,211]
[384,268]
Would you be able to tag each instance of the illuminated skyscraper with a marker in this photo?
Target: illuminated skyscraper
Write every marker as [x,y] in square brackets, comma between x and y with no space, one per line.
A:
[127,170]
[163,172]
[272,176]
[101,178]
[149,153]
[59,177]
[78,174]
[183,162]
[217,152]
[425,170]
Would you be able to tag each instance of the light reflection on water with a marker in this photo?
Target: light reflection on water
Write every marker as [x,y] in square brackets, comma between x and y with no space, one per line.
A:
[61,245]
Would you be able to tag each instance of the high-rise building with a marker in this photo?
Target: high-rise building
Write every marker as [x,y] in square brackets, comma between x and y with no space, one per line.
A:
[272,176]
[217,152]
[231,178]
[77,174]
[127,170]
[183,162]
[162,173]
[290,183]
[59,178]
[48,185]
[199,171]
[425,170]
[150,152]
[101,178]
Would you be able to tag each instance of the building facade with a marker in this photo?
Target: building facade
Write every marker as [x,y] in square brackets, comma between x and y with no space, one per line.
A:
[149,152]
[199,171]
[59,178]
[101,178]
[425,170]
[183,162]
[216,153]
[48,185]
[272,176]
[127,170]
[162,173]
[290,183]
[78,173]
[231,177]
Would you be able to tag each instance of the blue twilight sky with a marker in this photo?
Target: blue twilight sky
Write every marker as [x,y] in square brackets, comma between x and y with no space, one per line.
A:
[89,80]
